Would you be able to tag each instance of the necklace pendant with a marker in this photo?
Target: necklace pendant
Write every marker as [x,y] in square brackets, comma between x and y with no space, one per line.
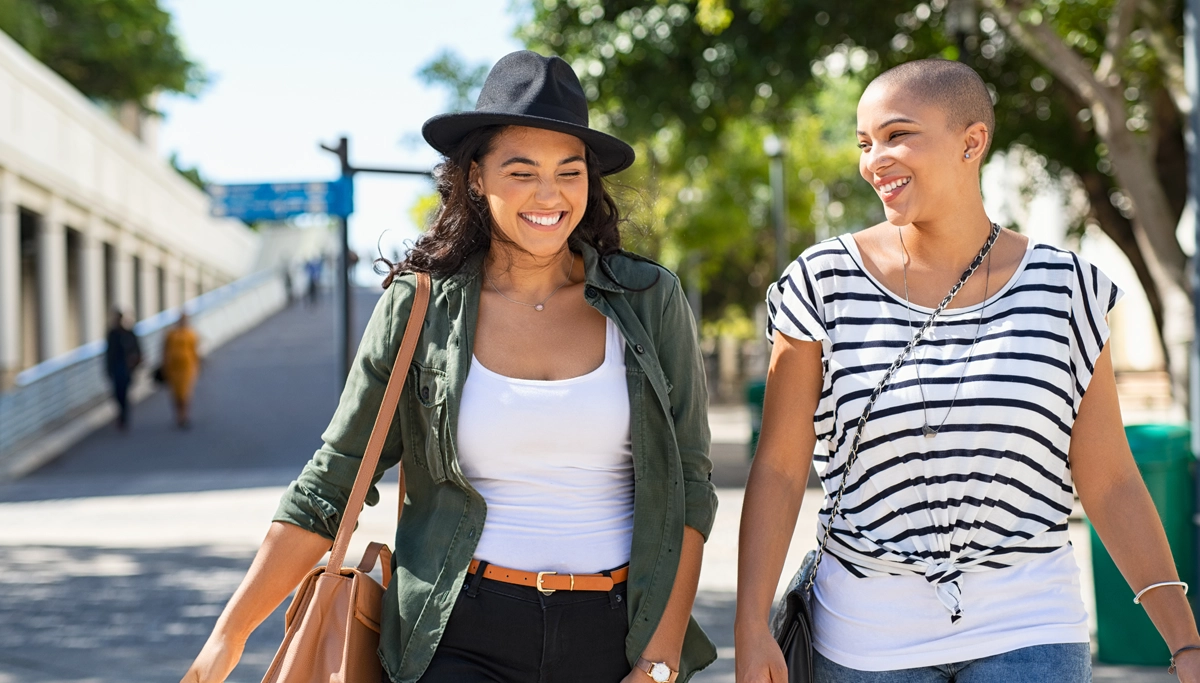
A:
[928,432]
[538,307]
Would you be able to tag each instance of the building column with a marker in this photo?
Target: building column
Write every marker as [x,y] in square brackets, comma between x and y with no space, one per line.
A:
[91,280]
[10,279]
[149,282]
[52,282]
[174,291]
[123,265]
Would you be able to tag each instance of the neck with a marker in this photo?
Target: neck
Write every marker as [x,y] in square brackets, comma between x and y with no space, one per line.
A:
[950,240]
[521,273]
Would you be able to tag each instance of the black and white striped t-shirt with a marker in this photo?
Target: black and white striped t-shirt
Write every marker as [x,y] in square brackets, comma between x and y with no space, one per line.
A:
[993,488]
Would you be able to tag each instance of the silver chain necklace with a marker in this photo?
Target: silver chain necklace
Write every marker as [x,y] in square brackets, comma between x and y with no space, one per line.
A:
[927,430]
[541,305]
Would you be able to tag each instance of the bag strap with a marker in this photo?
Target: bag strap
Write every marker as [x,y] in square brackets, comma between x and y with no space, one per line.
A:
[383,422]
[879,389]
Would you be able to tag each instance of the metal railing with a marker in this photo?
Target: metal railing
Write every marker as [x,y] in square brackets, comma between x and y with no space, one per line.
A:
[54,392]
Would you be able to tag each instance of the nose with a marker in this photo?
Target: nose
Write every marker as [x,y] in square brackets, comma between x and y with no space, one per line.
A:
[875,160]
[547,191]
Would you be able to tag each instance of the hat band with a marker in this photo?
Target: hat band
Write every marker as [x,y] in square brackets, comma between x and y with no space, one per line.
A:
[544,111]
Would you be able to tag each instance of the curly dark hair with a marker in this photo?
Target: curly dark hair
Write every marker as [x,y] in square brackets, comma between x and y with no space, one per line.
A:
[463,226]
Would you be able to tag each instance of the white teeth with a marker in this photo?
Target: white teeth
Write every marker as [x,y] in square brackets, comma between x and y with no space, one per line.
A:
[894,184]
[542,220]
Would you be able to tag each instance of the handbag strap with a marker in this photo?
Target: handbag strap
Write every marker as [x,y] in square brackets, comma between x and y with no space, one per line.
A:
[879,389]
[383,422]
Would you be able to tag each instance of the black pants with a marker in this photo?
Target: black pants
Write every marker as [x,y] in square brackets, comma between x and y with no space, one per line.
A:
[503,633]
[121,394]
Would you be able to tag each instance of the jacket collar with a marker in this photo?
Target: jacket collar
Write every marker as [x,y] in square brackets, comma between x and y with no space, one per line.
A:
[472,270]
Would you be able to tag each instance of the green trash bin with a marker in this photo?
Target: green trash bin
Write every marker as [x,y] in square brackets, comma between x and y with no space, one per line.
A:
[1125,634]
[756,389]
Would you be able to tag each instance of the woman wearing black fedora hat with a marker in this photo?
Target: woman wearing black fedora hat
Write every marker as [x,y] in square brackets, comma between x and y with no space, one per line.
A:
[552,431]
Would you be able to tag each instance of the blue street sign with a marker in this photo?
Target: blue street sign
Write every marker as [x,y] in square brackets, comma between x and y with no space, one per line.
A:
[279,201]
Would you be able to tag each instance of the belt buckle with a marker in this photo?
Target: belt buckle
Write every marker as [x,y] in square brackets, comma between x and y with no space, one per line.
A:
[540,577]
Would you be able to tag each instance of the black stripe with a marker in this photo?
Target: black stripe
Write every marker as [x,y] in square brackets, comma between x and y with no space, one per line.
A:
[971,501]
[959,478]
[940,362]
[901,343]
[989,453]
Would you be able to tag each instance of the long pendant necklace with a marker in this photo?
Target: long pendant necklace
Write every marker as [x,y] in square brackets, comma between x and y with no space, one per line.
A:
[541,305]
[926,429]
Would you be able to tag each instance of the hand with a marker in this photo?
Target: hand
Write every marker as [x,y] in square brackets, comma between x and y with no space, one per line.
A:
[636,676]
[215,661]
[1187,666]
[759,659]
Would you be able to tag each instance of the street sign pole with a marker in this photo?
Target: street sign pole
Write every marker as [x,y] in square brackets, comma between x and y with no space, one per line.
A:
[342,283]
[1191,66]
[343,346]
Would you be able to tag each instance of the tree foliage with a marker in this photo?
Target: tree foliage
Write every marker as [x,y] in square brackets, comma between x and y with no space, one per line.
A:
[461,80]
[706,69]
[111,50]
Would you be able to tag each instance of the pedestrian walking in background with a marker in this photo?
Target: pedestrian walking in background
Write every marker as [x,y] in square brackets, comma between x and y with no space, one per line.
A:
[122,355]
[181,366]
[959,378]
[313,270]
[553,429]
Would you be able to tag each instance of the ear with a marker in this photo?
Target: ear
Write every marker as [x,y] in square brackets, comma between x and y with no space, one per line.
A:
[473,178]
[975,141]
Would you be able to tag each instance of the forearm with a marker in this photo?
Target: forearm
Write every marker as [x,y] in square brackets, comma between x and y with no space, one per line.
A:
[667,642]
[1124,517]
[769,510]
[286,555]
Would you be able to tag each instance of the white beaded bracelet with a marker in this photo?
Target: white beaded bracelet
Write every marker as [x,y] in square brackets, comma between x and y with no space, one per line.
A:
[1137,599]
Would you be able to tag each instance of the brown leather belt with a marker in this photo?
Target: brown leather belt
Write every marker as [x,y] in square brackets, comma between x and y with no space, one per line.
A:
[548,582]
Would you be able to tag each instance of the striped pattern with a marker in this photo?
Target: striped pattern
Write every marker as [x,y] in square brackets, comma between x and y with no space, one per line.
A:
[993,489]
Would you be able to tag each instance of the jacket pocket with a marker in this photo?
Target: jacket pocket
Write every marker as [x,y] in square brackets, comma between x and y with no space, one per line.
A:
[427,415]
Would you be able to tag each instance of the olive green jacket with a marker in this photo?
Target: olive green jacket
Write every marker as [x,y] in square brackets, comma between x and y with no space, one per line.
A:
[443,514]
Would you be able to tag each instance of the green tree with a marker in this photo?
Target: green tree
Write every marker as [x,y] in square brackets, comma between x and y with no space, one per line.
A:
[111,50]
[1093,86]
[463,81]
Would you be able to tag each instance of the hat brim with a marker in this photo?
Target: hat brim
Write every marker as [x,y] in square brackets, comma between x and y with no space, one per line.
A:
[445,131]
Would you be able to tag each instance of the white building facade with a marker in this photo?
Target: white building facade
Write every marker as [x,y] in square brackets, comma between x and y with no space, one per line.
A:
[92,220]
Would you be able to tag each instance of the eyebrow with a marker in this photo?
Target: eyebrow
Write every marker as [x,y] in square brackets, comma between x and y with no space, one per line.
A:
[531,162]
[885,124]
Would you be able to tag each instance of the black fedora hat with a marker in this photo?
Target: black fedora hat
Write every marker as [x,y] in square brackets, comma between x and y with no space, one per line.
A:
[527,89]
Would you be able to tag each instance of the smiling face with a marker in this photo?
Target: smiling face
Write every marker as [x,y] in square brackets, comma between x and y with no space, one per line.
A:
[914,159]
[536,185]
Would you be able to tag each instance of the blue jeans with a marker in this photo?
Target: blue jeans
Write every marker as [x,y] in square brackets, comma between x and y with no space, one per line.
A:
[1058,663]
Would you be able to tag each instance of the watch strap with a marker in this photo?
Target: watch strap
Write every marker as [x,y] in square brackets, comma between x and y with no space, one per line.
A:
[645,666]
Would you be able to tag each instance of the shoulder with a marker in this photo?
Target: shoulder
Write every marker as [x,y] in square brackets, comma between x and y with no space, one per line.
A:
[640,274]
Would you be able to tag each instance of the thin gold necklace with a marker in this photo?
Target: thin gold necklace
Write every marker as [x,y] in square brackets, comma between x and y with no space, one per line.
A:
[541,305]
[927,430]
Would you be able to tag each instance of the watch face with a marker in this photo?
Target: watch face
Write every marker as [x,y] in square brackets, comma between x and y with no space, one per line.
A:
[660,672]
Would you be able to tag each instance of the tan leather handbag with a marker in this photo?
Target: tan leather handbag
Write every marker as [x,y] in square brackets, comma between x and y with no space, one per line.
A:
[332,625]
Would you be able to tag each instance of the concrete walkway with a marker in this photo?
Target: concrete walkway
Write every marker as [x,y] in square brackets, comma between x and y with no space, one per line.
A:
[116,559]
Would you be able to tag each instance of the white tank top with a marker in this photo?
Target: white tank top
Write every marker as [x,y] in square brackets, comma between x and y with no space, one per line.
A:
[553,460]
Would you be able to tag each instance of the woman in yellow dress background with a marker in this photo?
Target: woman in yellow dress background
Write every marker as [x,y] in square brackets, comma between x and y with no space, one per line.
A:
[181,365]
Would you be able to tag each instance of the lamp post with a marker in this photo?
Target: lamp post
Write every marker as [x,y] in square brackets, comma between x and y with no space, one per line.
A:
[773,148]
[343,347]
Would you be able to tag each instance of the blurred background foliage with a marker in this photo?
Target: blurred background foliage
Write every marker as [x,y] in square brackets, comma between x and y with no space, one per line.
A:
[696,86]
[113,51]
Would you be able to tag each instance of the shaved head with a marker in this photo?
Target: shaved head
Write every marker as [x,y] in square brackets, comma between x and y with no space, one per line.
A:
[953,87]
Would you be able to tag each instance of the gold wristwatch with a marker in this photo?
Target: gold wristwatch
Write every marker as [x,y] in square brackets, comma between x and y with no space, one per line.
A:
[659,672]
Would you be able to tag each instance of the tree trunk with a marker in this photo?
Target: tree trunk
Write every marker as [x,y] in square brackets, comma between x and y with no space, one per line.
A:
[1134,167]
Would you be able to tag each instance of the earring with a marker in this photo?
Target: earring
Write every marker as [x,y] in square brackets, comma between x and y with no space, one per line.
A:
[967,155]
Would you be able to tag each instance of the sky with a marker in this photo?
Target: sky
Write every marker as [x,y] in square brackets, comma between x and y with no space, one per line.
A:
[286,76]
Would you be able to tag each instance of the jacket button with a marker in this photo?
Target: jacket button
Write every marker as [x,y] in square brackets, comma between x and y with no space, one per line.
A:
[639,348]
[589,292]
[425,393]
